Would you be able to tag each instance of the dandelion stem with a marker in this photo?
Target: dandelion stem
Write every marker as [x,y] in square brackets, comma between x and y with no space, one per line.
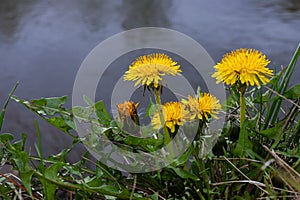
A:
[205,176]
[167,137]
[243,144]
[157,96]
[242,106]
[242,109]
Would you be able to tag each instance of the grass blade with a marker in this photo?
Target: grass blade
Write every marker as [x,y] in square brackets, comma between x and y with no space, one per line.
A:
[6,103]
[275,107]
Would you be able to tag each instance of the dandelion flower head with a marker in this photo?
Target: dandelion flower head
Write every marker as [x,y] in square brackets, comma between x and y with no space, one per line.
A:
[173,114]
[128,110]
[247,66]
[149,69]
[203,107]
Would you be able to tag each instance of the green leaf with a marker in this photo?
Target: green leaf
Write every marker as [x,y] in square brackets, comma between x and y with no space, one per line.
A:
[52,171]
[150,109]
[82,113]
[99,172]
[6,137]
[230,101]
[45,106]
[264,98]
[99,130]
[26,177]
[293,92]
[72,170]
[243,144]
[114,191]
[276,77]
[195,167]
[93,181]
[290,153]
[51,174]
[21,158]
[102,114]
[49,106]
[68,118]
[97,185]
[183,158]
[19,145]
[88,101]
[110,189]
[184,174]
[51,110]
[273,132]
[6,104]
[59,123]
[154,196]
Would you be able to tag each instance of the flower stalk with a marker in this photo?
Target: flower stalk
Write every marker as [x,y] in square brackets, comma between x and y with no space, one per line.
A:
[242,106]
[243,67]
[148,70]
[167,137]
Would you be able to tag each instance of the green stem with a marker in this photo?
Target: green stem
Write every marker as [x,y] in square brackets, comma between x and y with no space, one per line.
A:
[157,96]
[161,116]
[242,107]
[242,143]
[167,137]
[205,176]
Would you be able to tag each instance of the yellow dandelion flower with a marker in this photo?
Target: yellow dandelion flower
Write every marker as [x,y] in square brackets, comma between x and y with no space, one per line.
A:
[173,114]
[203,107]
[245,66]
[128,112]
[149,69]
